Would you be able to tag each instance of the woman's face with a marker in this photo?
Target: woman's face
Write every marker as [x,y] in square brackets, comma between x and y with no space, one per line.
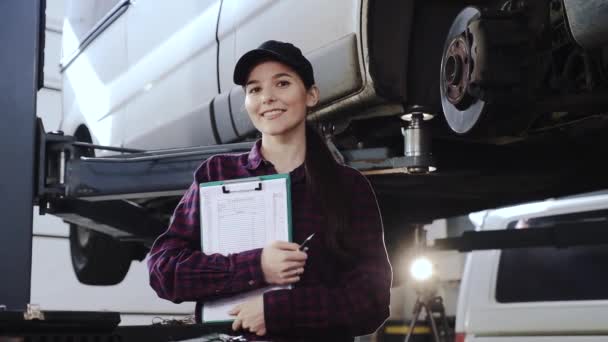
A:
[276,98]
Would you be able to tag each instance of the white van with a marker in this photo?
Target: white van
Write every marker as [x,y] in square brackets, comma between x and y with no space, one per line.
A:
[537,294]
[153,74]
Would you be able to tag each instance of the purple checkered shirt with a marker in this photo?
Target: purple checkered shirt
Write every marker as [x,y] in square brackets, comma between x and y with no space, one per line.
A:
[328,300]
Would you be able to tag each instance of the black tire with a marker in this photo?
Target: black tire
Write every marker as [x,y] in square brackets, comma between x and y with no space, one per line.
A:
[98,259]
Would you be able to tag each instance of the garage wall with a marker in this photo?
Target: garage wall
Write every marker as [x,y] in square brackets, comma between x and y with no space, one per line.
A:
[54,285]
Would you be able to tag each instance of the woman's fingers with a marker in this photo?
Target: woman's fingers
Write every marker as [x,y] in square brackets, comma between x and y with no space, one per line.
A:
[235,310]
[290,266]
[236,325]
[286,246]
[289,280]
[292,272]
[296,256]
[282,262]
[292,276]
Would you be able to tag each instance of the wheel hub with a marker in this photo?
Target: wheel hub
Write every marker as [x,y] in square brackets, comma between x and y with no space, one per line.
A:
[462,110]
[457,71]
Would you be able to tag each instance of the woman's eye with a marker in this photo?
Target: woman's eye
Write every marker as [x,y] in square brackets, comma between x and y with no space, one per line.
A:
[283,83]
[253,90]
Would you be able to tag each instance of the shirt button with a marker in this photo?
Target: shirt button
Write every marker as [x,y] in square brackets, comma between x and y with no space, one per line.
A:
[251,282]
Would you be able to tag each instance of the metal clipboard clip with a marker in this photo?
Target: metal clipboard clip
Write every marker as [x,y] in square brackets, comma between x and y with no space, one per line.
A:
[255,186]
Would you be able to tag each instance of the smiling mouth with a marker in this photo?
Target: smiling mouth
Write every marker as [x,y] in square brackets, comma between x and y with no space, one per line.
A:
[271,114]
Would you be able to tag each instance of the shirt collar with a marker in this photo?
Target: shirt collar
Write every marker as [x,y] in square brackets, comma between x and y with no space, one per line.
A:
[256,159]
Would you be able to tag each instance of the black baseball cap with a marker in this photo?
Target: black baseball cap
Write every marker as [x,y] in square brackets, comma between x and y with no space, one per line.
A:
[286,53]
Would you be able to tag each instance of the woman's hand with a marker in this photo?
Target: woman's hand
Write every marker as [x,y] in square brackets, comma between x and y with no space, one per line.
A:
[250,316]
[282,263]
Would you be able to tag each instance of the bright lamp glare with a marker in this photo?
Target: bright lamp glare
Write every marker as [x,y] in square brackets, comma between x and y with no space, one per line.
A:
[421,269]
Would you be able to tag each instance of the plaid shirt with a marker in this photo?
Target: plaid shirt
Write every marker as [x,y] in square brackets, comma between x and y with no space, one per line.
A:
[347,301]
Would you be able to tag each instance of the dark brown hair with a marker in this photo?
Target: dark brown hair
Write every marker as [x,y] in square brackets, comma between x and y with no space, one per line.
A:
[324,181]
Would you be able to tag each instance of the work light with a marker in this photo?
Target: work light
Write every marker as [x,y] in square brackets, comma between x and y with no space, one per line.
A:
[422,268]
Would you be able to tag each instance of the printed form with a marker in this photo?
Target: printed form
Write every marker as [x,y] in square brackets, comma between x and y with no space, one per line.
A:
[237,217]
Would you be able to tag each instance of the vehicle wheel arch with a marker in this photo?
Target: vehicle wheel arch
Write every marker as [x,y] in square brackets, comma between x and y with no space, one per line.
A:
[97,258]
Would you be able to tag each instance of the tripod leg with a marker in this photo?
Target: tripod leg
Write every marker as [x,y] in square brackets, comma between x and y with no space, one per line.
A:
[446,332]
[415,314]
[431,319]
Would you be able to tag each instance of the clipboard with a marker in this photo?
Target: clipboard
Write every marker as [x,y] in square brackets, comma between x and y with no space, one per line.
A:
[238,215]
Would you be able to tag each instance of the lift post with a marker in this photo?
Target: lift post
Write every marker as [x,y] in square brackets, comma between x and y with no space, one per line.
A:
[22,33]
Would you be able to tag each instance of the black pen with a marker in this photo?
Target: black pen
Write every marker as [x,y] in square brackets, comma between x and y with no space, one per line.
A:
[303,244]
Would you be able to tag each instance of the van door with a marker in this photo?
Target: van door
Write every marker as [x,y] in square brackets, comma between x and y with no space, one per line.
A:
[172,77]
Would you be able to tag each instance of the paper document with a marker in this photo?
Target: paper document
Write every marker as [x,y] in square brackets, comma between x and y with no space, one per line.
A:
[241,215]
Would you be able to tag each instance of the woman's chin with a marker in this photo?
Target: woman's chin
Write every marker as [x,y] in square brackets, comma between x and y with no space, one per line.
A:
[280,128]
[277,131]
[274,132]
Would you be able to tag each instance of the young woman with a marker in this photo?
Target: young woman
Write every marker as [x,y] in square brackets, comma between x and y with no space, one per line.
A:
[341,284]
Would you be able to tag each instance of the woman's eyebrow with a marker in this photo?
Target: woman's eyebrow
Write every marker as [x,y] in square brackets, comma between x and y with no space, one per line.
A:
[250,82]
[281,75]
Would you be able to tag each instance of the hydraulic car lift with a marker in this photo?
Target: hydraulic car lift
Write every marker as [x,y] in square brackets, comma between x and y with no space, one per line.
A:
[22,32]
[43,168]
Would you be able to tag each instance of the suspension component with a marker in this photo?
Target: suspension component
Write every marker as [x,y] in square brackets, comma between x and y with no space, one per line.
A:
[417,142]
[485,63]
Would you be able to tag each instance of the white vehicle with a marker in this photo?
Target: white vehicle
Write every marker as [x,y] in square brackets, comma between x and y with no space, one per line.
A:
[542,293]
[509,83]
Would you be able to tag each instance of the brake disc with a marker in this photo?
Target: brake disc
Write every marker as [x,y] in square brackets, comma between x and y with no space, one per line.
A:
[462,111]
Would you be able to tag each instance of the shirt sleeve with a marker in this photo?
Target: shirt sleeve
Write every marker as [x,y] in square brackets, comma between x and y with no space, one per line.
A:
[359,302]
[179,271]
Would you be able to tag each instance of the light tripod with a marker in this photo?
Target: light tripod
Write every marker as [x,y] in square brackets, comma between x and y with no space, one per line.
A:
[427,300]
[432,305]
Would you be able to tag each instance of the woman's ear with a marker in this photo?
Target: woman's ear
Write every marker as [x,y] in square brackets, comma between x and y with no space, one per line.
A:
[312,96]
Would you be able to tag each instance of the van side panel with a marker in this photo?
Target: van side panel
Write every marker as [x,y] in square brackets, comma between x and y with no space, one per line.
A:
[310,25]
[90,82]
[173,73]
[336,73]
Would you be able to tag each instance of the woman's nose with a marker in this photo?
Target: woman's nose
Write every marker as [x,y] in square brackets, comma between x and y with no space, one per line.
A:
[267,96]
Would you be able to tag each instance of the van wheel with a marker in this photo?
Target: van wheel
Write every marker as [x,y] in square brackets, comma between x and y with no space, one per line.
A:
[98,259]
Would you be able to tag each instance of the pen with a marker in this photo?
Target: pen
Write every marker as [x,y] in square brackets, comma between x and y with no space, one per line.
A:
[303,244]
